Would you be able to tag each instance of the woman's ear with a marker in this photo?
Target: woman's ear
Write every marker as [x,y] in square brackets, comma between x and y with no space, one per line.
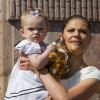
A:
[22,32]
[61,37]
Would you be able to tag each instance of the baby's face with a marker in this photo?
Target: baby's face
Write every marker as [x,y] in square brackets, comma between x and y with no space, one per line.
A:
[34,28]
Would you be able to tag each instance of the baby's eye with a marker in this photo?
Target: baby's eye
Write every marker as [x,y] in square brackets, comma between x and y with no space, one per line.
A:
[40,28]
[31,29]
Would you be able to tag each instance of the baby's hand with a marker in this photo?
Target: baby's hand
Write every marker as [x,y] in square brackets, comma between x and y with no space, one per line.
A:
[52,46]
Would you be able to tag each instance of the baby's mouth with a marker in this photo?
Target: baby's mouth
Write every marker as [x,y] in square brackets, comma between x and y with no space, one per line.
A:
[36,37]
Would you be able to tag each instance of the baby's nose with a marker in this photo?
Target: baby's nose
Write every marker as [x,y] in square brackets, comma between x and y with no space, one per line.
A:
[36,32]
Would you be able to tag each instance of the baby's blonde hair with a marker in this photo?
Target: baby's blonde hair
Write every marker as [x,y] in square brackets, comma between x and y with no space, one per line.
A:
[33,12]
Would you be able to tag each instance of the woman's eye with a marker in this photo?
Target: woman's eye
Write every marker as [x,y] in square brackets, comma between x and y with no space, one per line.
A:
[83,31]
[71,30]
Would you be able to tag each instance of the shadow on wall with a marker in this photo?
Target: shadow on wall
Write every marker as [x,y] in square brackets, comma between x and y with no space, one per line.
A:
[56,26]
[92,55]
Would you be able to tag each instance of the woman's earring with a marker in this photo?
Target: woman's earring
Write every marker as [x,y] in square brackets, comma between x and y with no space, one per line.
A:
[61,39]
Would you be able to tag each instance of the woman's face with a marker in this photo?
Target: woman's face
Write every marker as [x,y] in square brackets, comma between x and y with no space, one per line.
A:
[76,36]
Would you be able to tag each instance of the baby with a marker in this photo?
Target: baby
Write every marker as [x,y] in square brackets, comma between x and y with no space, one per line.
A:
[26,85]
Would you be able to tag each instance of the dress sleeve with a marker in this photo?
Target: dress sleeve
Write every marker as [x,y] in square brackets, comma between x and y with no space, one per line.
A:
[28,47]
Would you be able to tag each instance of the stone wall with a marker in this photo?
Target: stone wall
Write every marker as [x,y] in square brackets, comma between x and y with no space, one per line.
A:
[5,48]
[9,36]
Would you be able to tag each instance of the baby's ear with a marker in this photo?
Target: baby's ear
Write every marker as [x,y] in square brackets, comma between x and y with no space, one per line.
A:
[22,32]
[46,29]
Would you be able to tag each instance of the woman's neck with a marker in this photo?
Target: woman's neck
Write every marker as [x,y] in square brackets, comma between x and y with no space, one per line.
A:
[75,63]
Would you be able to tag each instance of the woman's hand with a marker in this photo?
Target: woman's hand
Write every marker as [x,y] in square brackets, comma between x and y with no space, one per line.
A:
[25,63]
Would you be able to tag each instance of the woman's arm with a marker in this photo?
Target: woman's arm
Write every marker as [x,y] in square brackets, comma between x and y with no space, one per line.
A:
[55,89]
[82,91]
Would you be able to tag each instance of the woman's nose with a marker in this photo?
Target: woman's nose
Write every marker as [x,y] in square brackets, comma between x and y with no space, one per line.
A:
[76,33]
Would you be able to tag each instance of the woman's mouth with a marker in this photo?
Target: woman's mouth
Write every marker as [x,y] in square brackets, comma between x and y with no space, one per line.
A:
[76,42]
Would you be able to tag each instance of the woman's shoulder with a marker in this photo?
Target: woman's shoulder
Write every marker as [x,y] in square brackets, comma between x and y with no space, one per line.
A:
[90,72]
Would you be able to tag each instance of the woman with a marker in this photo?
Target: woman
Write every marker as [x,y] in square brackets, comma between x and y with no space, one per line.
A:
[82,81]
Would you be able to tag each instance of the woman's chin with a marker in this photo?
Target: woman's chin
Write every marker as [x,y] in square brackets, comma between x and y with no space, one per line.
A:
[76,50]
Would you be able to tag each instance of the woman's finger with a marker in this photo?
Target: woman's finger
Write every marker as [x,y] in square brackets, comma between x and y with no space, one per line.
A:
[22,54]
[25,63]
[24,59]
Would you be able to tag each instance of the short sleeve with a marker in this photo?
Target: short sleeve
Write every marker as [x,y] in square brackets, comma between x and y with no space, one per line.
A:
[28,47]
[90,72]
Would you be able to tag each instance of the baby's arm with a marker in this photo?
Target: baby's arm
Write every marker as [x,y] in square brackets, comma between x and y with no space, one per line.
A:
[41,60]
